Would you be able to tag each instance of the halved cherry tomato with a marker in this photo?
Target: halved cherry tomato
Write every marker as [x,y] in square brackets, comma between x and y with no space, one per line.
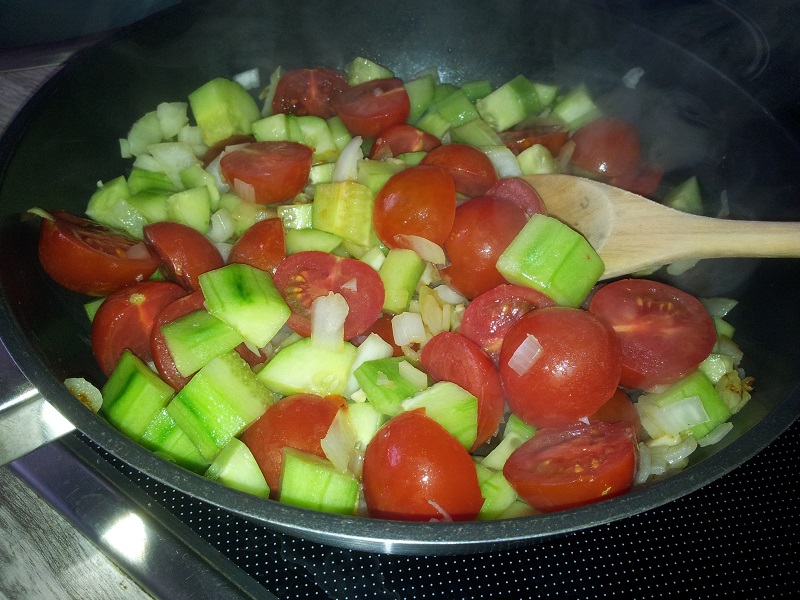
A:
[489,316]
[561,468]
[277,171]
[383,327]
[575,372]
[619,409]
[551,136]
[125,320]
[308,92]
[644,182]
[607,146]
[299,421]
[262,246]
[217,149]
[417,201]
[664,332]
[452,357]
[415,470]
[89,258]
[186,252]
[303,277]
[402,138]
[368,108]
[472,171]
[482,229]
[517,191]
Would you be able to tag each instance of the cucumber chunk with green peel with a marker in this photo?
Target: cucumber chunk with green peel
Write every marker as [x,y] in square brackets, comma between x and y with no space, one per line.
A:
[133,396]
[549,256]
[223,108]
[246,299]
[476,133]
[141,180]
[316,134]
[151,204]
[302,240]
[509,104]
[219,402]
[196,176]
[110,205]
[273,128]
[361,70]
[450,405]
[339,133]
[309,481]
[537,160]
[296,216]
[165,438]
[547,92]
[236,467]
[196,338]
[191,207]
[344,208]
[245,214]
[420,94]
[400,272]
[475,90]
[576,108]
[515,433]
[384,386]
[374,174]
[365,421]
[686,197]
[434,123]
[498,494]
[303,367]
[457,109]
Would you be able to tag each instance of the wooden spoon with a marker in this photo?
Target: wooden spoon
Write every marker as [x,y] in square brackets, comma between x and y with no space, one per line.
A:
[632,233]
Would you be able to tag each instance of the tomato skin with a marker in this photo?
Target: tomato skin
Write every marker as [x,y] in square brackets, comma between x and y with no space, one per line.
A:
[452,357]
[472,171]
[577,370]
[566,467]
[89,258]
[299,421]
[413,465]
[304,92]
[619,409]
[125,320]
[644,181]
[517,191]
[482,229]
[553,137]
[368,108]
[607,146]
[218,148]
[664,332]
[383,327]
[262,246]
[401,138]
[304,276]
[489,316]
[186,252]
[417,201]
[277,171]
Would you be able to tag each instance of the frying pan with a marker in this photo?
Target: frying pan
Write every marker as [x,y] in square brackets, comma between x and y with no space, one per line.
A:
[729,124]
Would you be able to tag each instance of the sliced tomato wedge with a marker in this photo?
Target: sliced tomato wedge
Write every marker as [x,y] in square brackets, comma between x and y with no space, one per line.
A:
[566,467]
[517,191]
[402,138]
[277,171]
[452,357]
[262,246]
[308,92]
[371,107]
[218,148]
[125,321]
[644,181]
[89,258]
[186,252]
[472,171]
[664,332]
[607,146]
[551,136]
[303,277]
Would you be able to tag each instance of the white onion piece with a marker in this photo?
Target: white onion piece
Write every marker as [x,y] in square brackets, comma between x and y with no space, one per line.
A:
[213,170]
[642,464]
[328,314]
[249,80]
[274,77]
[504,160]
[372,348]
[87,393]
[526,354]
[716,434]
[565,156]
[449,295]
[222,226]
[418,379]
[680,452]
[445,515]
[677,416]
[346,167]
[407,328]
[351,285]
[339,442]
[433,253]
[224,249]
[245,191]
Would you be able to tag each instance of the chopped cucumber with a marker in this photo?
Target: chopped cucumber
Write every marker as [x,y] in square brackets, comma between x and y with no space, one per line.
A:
[295,216]
[273,128]
[476,133]
[344,208]
[475,90]
[195,339]
[191,207]
[109,205]
[385,387]
[223,108]
[420,94]
[164,437]
[236,467]
[365,421]
[375,173]
[141,180]
[509,104]
[576,108]
[400,273]
[309,481]
[457,109]
[301,240]
[498,494]
[537,160]
[686,197]
[450,405]
[361,70]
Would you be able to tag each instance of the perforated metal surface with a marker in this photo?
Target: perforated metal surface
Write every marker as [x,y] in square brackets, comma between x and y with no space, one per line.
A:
[734,535]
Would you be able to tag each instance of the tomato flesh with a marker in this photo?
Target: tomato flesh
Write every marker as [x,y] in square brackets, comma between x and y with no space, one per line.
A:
[607,146]
[277,171]
[576,371]
[90,258]
[262,246]
[125,320]
[304,92]
[518,192]
[553,137]
[303,277]
[186,252]
[402,138]
[369,108]
[414,470]
[664,332]
[472,171]
[562,468]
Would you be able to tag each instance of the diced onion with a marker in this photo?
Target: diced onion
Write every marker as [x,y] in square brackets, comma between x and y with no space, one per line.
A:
[372,348]
[222,226]
[328,314]
[87,393]
[526,354]
[245,191]
[249,80]
[224,249]
[346,167]
[643,464]
[445,515]
[339,442]
[677,416]
[408,328]
[631,78]
[449,295]
[351,285]
[418,379]
[429,251]
[681,451]
[716,434]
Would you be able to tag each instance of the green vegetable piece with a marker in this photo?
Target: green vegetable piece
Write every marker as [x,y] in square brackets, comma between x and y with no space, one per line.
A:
[133,395]
[223,108]
[236,467]
[197,338]
[295,216]
[165,438]
[344,208]
[196,176]
[715,366]
[143,133]
[476,133]
[191,207]
[322,173]
[245,214]
[373,174]
[537,160]
[434,123]
[141,180]
[549,256]
[339,133]
[365,421]
[92,306]
[316,134]
[303,367]
[547,92]
[110,205]
[475,90]
[301,240]
[498,494]
[450,405]
[686,197]
[309,481]
[400,273]
[457,109]
[576,108]
[420,94]
[247,300]
[361,70]
[273,128]
[151,204]
[509,104]
[385,388]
